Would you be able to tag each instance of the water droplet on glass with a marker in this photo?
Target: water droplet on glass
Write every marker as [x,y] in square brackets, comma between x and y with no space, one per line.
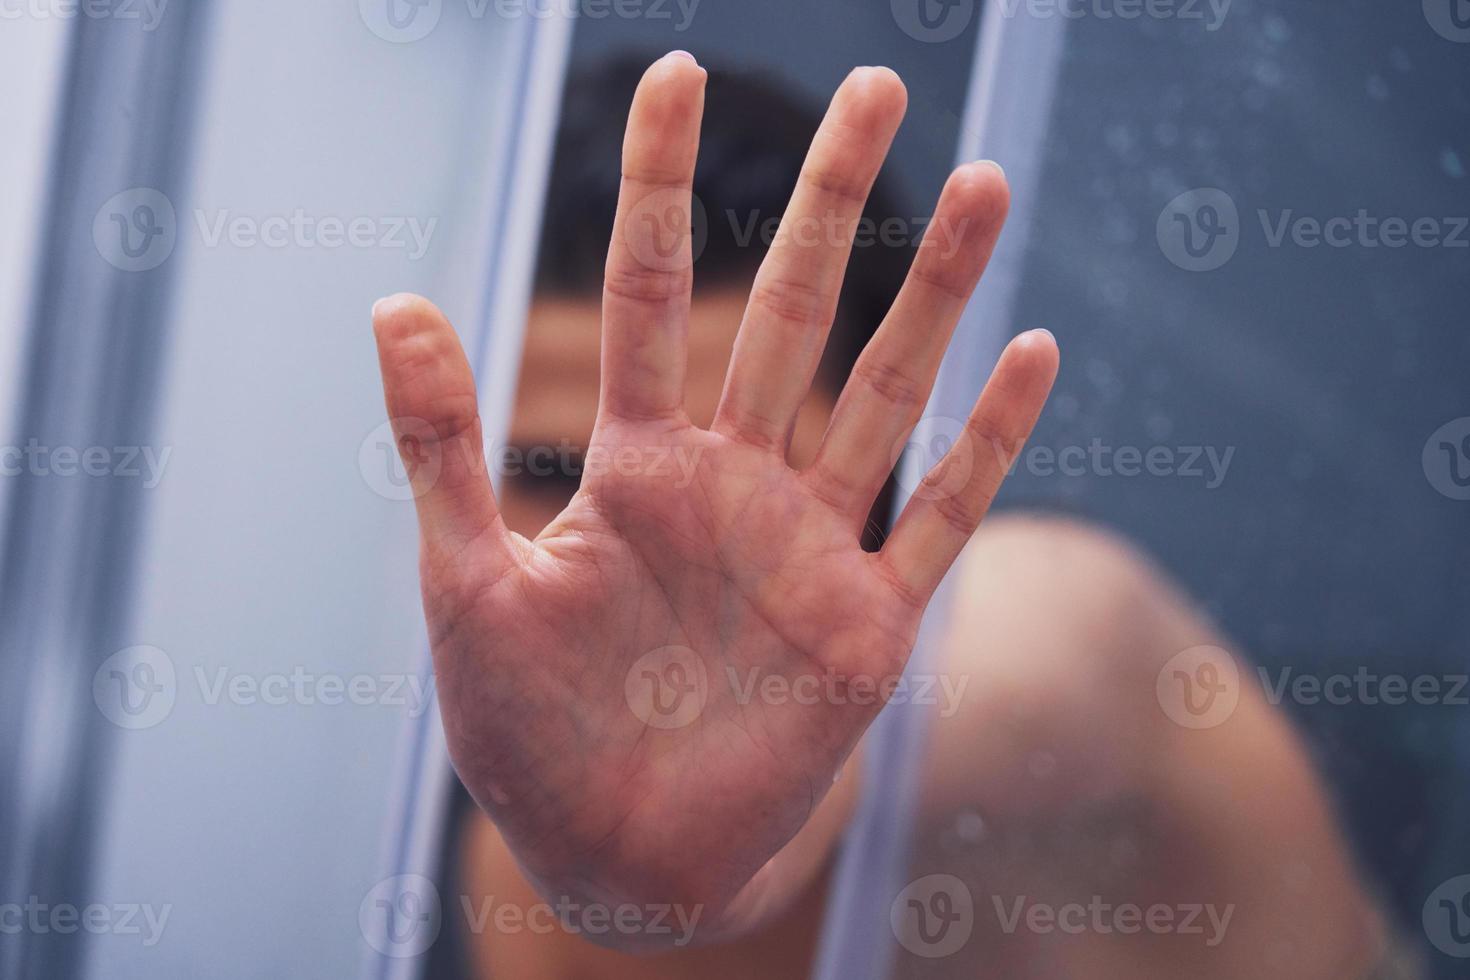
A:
[1279,952]
[1377,88]
[1204,140]
[1102,376]
[969,827]
[1119,139]
[1297,874]
[1159,426]
[1451,162]
[1042,764]
[1277,30]
[1118,228]
[1124,852]
[1405,363]
[1268,73]
[1065,407]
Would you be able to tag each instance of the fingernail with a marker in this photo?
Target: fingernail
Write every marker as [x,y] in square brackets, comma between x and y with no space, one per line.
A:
[377,304]
[681,53]
[991,163]
[1050,336]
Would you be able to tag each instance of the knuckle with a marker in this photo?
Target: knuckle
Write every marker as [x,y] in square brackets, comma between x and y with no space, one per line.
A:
[790,301]
[907,592]
[990,434]
[890,382]
[631,280]
[653,176]
[957,511]
[949,281]
[840,188]
[453,416]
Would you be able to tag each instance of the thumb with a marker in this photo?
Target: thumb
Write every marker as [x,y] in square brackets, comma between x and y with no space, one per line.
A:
[430,392]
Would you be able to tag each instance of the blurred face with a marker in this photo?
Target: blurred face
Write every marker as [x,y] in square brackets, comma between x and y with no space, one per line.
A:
[556,399]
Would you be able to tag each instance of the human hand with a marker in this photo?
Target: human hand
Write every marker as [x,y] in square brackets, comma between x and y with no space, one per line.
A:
[601,685]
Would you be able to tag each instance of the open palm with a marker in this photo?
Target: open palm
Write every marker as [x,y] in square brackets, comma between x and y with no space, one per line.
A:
[652,697]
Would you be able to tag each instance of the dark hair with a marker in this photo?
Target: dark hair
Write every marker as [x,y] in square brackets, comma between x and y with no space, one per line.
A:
[752,144]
